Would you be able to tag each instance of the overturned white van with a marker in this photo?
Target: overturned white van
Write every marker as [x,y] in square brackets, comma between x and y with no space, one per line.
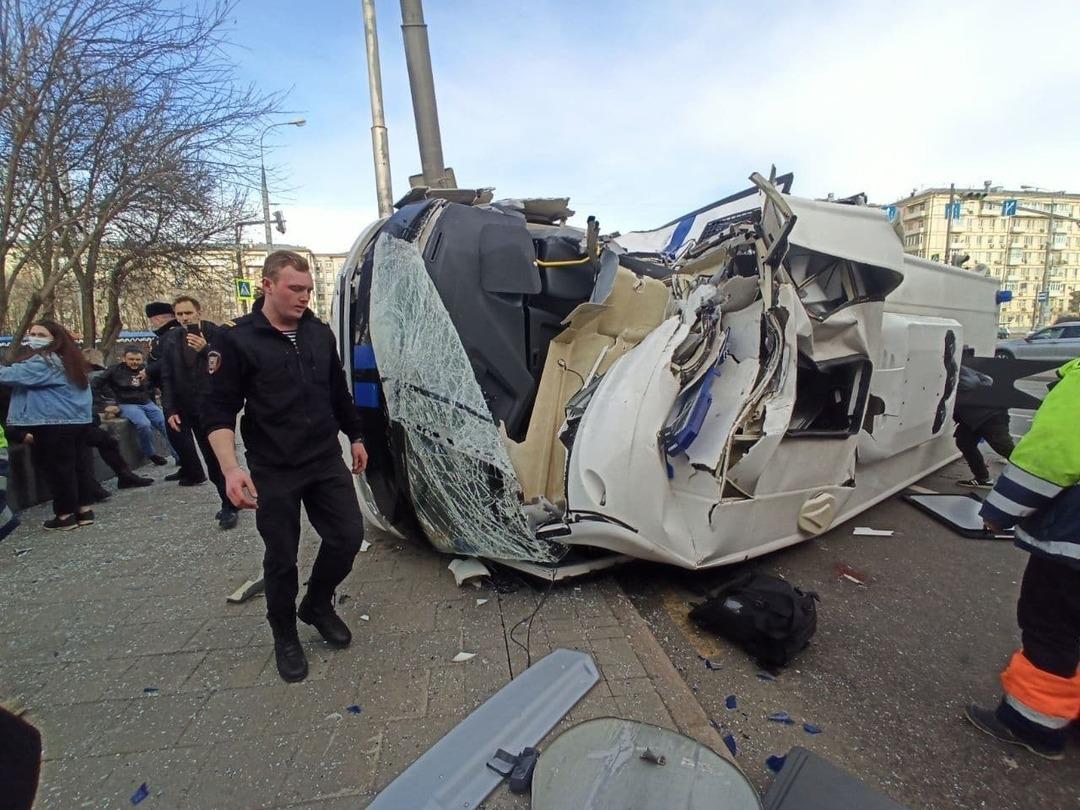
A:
[739,380]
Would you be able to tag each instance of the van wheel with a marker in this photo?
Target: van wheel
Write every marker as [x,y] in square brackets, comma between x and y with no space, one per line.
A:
[1002,354]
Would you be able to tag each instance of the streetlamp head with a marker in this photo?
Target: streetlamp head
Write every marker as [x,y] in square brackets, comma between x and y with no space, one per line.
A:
[299,122]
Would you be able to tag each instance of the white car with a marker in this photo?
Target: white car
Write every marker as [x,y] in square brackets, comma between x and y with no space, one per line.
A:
[739,380]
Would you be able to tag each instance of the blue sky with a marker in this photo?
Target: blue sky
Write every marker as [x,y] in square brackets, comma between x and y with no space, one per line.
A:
[639,111]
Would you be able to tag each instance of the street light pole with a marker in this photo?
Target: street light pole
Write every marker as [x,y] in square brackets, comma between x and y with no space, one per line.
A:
[380,145]
[299,122]
[948,222]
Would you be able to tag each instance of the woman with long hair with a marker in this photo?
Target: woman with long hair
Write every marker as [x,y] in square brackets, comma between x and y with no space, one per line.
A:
[51,399]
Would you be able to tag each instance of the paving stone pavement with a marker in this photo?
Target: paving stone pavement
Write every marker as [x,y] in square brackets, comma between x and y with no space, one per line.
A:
[118,640]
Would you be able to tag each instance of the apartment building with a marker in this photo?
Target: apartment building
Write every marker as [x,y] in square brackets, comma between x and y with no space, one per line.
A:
[1008,233]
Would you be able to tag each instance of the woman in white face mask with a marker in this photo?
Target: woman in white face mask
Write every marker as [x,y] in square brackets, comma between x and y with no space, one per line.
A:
[51,399]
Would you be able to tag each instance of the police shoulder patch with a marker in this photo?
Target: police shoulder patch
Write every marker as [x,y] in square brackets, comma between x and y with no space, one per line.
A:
[213,361]
[228,323]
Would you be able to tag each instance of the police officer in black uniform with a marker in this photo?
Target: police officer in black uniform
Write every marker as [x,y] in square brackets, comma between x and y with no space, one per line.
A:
[280,364]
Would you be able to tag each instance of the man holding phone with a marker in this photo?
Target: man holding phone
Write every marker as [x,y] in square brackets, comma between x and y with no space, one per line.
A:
[185,382]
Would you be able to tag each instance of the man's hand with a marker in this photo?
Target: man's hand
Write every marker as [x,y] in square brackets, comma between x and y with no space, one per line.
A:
[142,376]
[174,421]
[112,411]
[240,489]
[197,342]
[359,457]
[28,438]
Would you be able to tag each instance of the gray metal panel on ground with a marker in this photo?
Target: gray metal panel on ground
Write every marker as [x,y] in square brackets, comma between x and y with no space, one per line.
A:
[808,782]
[453,773]
[597,765]
[959,512]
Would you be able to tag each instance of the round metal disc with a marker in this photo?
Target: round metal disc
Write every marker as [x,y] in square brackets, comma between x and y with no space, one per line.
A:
[599,765]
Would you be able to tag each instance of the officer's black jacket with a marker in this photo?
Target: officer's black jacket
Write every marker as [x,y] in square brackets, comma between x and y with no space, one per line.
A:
[153,359]
[295,399]
[184,378]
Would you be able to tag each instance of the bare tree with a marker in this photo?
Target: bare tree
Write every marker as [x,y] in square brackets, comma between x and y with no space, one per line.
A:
[121,121]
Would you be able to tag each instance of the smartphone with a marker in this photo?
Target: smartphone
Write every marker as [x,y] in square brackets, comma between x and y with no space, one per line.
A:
[194,329]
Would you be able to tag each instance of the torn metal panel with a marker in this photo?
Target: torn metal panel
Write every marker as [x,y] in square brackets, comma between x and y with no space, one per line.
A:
[453,774]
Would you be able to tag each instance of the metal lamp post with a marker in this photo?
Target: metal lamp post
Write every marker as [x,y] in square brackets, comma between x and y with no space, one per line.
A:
[299,122]
[1041,313]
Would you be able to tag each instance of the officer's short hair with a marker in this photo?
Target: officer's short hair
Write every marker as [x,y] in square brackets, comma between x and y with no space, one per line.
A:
[132,349]
[280,259]
[190,299]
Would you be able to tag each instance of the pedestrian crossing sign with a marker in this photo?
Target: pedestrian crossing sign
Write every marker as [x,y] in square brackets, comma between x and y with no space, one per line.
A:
[243,290]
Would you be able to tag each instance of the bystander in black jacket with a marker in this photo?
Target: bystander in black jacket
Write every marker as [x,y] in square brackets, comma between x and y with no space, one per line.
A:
[121,386]
[297,398]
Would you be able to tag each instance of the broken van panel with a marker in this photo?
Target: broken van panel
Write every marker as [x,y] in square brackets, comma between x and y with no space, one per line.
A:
[738,380]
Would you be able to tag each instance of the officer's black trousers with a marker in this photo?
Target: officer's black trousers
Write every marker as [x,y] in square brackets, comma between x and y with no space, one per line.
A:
[184,441]
[326,489]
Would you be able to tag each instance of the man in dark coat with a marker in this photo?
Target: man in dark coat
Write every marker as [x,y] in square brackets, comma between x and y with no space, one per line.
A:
[185,382]
[975,422]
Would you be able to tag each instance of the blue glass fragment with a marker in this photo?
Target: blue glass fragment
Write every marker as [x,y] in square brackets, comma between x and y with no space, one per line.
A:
[781,717]
[810,728]
[731,702]
[140,794]
[775,763]
[766,677]
[729,741]
[354,709]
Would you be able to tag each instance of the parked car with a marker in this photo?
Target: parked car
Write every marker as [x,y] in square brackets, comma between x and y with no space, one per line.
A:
[1058,342]
[1003,333]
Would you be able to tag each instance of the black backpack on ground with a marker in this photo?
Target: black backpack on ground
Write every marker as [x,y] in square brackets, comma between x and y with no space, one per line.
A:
[767,616]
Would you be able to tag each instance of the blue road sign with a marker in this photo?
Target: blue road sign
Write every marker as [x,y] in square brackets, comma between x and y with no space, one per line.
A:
[952,210]
[890,212]
[1008,208]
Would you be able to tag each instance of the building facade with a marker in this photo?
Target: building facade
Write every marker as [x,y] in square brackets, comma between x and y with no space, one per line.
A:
[1029,251]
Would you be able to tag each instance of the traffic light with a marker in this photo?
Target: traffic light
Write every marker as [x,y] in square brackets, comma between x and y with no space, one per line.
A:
[279,219]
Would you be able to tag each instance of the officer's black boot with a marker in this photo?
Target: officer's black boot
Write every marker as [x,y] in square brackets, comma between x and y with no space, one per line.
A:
[319,613]
[289,655]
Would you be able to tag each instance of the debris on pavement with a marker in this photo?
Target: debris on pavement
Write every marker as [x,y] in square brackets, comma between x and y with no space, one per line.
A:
[253,587]
[150,690]
[364,617]
[781,717]
[333,716]
[845,571]
[709,665]
[354,709]
[729,741]
[731,702]
[775,763]
[364,545]
[466,569]
[866,531]
[810,728]
[765,615]
[140,794]
[481,602]
[461,657]
[765,677]
[21,551]
[1010,763]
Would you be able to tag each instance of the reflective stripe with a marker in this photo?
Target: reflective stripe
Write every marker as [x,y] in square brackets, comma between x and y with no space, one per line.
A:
[1042,697]
[1032,482]
[1041,719]
[1059,548]
[1009,507]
